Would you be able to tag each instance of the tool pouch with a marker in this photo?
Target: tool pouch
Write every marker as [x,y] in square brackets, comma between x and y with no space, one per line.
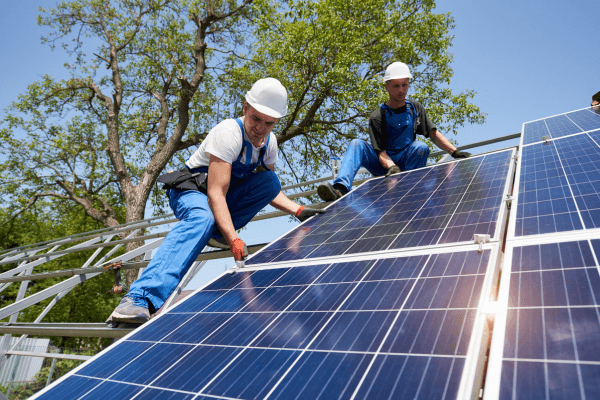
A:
[184,179]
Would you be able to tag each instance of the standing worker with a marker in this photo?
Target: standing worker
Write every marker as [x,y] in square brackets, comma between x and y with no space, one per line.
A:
[393,128]
[219,184]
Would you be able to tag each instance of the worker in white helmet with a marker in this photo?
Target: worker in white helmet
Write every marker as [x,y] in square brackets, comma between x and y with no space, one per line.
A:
[223,185]
[393,128]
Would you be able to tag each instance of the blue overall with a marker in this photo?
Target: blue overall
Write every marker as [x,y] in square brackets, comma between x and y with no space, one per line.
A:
[402,148]
[248,193]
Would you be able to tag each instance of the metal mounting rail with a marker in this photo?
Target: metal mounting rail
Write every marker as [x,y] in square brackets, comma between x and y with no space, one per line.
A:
[49,355]
[71,330]
[209,255]
[478,144]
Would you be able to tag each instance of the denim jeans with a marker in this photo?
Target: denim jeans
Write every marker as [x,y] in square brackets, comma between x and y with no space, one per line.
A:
[186,240]
[361,153]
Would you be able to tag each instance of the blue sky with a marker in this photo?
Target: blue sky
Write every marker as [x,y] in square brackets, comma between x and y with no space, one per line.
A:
[525,59]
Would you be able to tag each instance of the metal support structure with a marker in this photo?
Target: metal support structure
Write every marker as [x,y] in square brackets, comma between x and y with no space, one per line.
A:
[69,283]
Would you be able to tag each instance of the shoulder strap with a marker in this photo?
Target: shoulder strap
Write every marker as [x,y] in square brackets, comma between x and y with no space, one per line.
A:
[412,108]
[245,145]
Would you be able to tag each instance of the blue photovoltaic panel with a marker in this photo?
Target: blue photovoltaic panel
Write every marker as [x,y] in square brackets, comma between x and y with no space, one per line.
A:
[448,203]
[559,187]
[395,327]
[561,125]
[552,336]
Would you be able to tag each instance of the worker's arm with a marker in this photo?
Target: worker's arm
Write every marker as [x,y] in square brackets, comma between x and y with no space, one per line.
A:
[283,203]
[440,141]
[385,160]
[219,177]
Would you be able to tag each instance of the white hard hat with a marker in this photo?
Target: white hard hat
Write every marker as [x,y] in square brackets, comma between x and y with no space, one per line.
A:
[397,70]
[268,96]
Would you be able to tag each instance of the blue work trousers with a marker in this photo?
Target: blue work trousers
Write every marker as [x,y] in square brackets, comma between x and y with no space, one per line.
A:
[361,153]
[186,240]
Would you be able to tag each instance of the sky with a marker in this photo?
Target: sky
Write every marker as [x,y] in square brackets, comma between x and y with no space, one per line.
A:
[526,60]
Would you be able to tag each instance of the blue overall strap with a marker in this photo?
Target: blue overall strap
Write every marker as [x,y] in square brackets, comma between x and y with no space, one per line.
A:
[245,144]
[413,111]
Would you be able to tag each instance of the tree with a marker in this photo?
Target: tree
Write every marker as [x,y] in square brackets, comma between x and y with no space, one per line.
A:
[174,68]
[103,134]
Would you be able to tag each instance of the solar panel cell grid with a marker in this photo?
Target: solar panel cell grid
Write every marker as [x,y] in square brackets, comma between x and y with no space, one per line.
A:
[561,125]
[559,188]
[317,331]
[586,120]
[443,204]
[553,322]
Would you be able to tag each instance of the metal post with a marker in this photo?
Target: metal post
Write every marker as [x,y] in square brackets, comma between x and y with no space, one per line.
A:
[12,376]
[52,369]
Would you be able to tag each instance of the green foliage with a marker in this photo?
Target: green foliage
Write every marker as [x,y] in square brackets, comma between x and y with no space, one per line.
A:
[150,78]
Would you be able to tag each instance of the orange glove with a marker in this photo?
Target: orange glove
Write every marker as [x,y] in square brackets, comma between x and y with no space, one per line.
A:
[304,213]
[239,249]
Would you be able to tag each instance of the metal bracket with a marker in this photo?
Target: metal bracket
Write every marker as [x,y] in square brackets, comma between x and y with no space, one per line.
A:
[480,240]
[509,199]
[547,139]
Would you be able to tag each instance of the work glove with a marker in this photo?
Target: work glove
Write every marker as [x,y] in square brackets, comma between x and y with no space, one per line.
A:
[239,249]
[457,154]
[304,213]
[394,169]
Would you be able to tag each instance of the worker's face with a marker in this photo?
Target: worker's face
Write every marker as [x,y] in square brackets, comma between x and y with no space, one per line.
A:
[596,106]
[397,89]
[257,125]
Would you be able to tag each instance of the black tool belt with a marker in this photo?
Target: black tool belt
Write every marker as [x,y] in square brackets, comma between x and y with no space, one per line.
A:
[184,179]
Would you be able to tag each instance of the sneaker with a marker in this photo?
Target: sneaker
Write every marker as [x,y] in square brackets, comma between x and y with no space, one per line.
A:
[219,243]
[327,192]
[126,311]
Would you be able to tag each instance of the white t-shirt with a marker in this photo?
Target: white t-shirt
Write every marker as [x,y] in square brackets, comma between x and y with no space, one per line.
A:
[225,141]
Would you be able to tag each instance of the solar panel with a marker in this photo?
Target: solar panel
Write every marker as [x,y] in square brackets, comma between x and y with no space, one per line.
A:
[559,186]
[401,325]
[545,342]
[441,204]
[561,125]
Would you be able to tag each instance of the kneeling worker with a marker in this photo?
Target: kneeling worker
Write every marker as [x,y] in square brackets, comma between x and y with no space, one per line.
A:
[218,185]
[393,128]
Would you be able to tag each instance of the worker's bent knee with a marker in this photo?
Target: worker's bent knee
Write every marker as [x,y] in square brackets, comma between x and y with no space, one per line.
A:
[421,148]
[358,143]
